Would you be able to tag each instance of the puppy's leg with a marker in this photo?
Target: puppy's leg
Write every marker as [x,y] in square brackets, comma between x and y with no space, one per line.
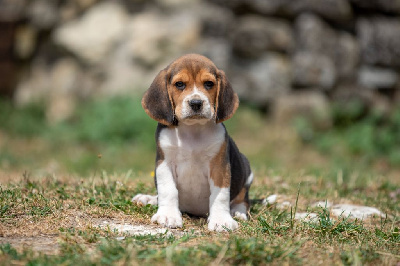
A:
[240,204]
[168,213]
[145,199]
[219,218]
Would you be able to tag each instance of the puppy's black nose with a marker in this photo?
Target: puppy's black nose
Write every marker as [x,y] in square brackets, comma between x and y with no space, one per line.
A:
[196,104]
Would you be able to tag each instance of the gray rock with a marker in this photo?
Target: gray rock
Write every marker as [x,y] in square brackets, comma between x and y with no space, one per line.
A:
[315,36]
[311,104]
[262,79]
[71,9]
[377,77]
[34,85]
[123,75]
[232,4]
[43,14]
[93,35]
[56,85]
[255,35]
[84,4]
[313,70]
[151,37]
[335,10]
[149,44]
[175,4]
[346,56]
[216,21]
[218,50]
[379,39]
[25,41]
[389,6]
[12,10]
[271,7]
[64,82]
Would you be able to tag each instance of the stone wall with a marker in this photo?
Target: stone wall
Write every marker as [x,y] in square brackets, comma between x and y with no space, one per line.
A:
[284,55]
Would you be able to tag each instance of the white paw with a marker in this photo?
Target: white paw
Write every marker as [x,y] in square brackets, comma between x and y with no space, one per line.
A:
[145,199]
[169,217]
[222,222]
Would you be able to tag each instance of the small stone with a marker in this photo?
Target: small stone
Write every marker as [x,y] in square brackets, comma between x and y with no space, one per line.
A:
[355,211]
[305,216]
[138,229]
[322,204]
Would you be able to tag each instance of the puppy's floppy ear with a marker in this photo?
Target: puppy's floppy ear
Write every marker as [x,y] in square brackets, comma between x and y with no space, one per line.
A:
[156,101]
[227,100]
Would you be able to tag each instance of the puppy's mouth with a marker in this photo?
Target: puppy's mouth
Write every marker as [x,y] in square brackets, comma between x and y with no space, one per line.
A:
[197,116]
[196,119]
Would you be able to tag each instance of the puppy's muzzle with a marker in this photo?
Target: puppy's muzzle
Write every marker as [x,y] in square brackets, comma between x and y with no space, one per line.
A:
[196,105]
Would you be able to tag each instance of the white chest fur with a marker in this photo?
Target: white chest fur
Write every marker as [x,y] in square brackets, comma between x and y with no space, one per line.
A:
[188,151]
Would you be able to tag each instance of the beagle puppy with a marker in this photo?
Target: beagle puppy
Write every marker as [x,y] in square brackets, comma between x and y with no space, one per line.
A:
[199,169]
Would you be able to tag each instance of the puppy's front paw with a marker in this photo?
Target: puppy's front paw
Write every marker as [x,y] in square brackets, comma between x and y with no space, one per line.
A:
[222,222]
[145,199]
[169,217]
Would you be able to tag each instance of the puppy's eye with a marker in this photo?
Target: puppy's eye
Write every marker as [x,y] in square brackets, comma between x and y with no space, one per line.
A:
[208,85]
[180,85]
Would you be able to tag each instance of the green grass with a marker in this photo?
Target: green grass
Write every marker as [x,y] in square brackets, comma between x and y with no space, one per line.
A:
[365,136]
[113,134]
[270,236]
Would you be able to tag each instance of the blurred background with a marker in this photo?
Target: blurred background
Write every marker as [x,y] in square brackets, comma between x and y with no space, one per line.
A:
[319,81]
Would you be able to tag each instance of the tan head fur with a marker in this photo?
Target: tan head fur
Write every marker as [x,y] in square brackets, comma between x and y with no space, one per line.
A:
[190,90]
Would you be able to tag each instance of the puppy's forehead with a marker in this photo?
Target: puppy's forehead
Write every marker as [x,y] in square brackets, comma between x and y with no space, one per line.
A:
[192,65]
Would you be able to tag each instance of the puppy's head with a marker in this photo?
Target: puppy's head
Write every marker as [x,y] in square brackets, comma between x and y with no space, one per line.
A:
[190,90]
